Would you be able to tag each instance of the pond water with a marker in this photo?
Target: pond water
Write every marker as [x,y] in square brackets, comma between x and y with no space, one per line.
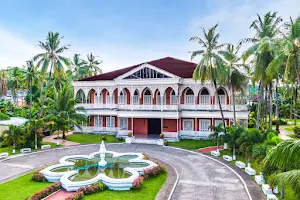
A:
[88,168]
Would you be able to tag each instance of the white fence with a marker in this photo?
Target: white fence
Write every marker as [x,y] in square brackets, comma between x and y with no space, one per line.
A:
[194,134]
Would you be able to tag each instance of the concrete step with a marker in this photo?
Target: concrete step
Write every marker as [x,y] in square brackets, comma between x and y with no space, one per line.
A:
[144,141]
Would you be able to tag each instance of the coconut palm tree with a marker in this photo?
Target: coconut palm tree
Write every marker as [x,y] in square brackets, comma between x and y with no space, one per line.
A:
[77,67]
[3,84]
[266,30]
[211,66]
[51,57]
[62,106]
[14,135]
[31,76]
[285,159]
[15,81]
[236,78]
[93,65]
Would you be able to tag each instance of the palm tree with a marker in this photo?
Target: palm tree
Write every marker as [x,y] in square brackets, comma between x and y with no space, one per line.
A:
[31,76]
[233,134]
[62,106]
[285,159]
[211,66]
[93,65]
[236,79]
[51,56]
[14,136]
[3,84]
[78,68]
[217,134]
[266,30]
[15,81]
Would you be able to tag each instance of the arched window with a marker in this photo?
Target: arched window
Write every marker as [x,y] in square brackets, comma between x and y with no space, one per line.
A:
[108,98]
[80,96]
[147,97]
[173,97]
[189,97]
[204,97]
[222,96]
[136,98]
[123,97]
[158,99]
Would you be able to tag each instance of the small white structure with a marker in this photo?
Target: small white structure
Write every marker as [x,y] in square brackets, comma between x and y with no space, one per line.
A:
[250,170]
[46,146]
[4,155]
[227,158]
[271,197]
[215,153]
[128,140]
[240,164]
[160,142]
[275,190]
[266,189]
[260,179]
[25,150]
[102,150]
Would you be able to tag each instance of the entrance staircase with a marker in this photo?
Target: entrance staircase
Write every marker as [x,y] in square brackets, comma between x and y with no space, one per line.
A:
[144,141]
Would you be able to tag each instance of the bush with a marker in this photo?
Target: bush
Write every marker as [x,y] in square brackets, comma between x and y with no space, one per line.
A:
[146,157]
[297,131]
[259,150]
[280,122]
[94,188]
[103,137]
[4,116]
[46,192]
[76,196]
[137,183]
[120,138]
[154,171]
[166,142]
[38,177]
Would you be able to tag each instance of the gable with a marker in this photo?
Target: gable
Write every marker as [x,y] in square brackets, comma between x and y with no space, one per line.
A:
[146,71]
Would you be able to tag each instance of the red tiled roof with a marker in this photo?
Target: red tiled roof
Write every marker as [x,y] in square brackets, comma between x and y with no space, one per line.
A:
[181,68]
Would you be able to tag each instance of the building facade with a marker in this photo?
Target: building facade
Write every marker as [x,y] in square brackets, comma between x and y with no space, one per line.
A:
[156,97]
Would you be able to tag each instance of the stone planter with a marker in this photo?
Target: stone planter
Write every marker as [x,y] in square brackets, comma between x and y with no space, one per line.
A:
[128,140]
[160,142]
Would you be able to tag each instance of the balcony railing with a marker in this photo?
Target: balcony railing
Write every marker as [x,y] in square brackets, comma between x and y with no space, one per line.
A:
[170,134]
[95,129]
[162,107]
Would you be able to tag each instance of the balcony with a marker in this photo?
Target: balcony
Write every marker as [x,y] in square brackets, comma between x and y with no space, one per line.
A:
[148,107]
[212,107]
[97,106]
[95,129]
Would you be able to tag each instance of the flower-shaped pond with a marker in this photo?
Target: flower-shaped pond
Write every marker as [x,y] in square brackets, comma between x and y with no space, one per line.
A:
[118,172]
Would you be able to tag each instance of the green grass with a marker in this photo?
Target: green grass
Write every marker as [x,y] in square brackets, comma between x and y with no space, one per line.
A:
[20,188]
[290,129]
[23,187]
[88,138]
[192,144]
[147,192]
[293,136]
[10,148]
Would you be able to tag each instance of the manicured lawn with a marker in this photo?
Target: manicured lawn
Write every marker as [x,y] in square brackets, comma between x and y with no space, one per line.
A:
[293,136]
[88,138]
[9,148]
[20,188]
[23,187]
[290,129]
[192,144]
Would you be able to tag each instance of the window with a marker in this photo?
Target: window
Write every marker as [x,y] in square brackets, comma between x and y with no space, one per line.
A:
[173,98]
[147,97]
[122,97]
[204,125]
[158,99]
[204,97]
[189,97]
[222,96]
[98,121]
[110,121]
[188,125]
[136,98]
[124,123]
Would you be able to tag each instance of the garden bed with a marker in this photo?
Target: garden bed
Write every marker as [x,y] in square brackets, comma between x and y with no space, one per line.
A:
[89,138]
[192,144]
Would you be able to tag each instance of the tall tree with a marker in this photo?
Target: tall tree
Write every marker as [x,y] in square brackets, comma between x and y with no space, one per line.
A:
[51,56]
[3,82]
[266,30]
[78,67]
[210,66]
[15,81]
[93,65]
[14,136]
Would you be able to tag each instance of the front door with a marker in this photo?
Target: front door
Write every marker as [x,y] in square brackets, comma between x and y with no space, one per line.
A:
[154,126]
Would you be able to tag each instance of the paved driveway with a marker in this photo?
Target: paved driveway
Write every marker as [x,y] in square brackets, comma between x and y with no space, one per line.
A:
[199,176]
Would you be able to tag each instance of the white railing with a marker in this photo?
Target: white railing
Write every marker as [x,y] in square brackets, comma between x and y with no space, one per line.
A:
[149,107]
[123,132]
[170,134]
[96,105]
[95,129]
[195,134]
[212,107]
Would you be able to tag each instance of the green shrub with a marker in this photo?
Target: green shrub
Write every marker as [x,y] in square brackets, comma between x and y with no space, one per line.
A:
[46,192]
[38,177]
[94,188]
[259,150]
[4,116]
[281,122]
[297,131]
[137,183]
[76,196]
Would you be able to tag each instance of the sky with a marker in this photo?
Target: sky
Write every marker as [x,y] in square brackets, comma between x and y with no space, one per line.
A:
[124,33]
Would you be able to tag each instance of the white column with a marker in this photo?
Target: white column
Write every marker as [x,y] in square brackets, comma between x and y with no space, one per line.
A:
[132,125]
[161,125]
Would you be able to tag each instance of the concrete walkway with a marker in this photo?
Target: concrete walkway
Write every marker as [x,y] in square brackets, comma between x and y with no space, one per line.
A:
[51,138]
[200,177]
[284,134]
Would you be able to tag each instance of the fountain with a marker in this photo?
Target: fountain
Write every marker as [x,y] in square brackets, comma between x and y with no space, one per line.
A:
[117,171]
[102,151]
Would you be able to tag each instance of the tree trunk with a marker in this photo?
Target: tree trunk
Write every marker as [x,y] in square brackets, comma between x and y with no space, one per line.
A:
[233,103]
[296,67]
[45,95]
[30,101]
[259,103]
[295,106]
[64,135]
[277,106]
[270,106]
[220,106]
